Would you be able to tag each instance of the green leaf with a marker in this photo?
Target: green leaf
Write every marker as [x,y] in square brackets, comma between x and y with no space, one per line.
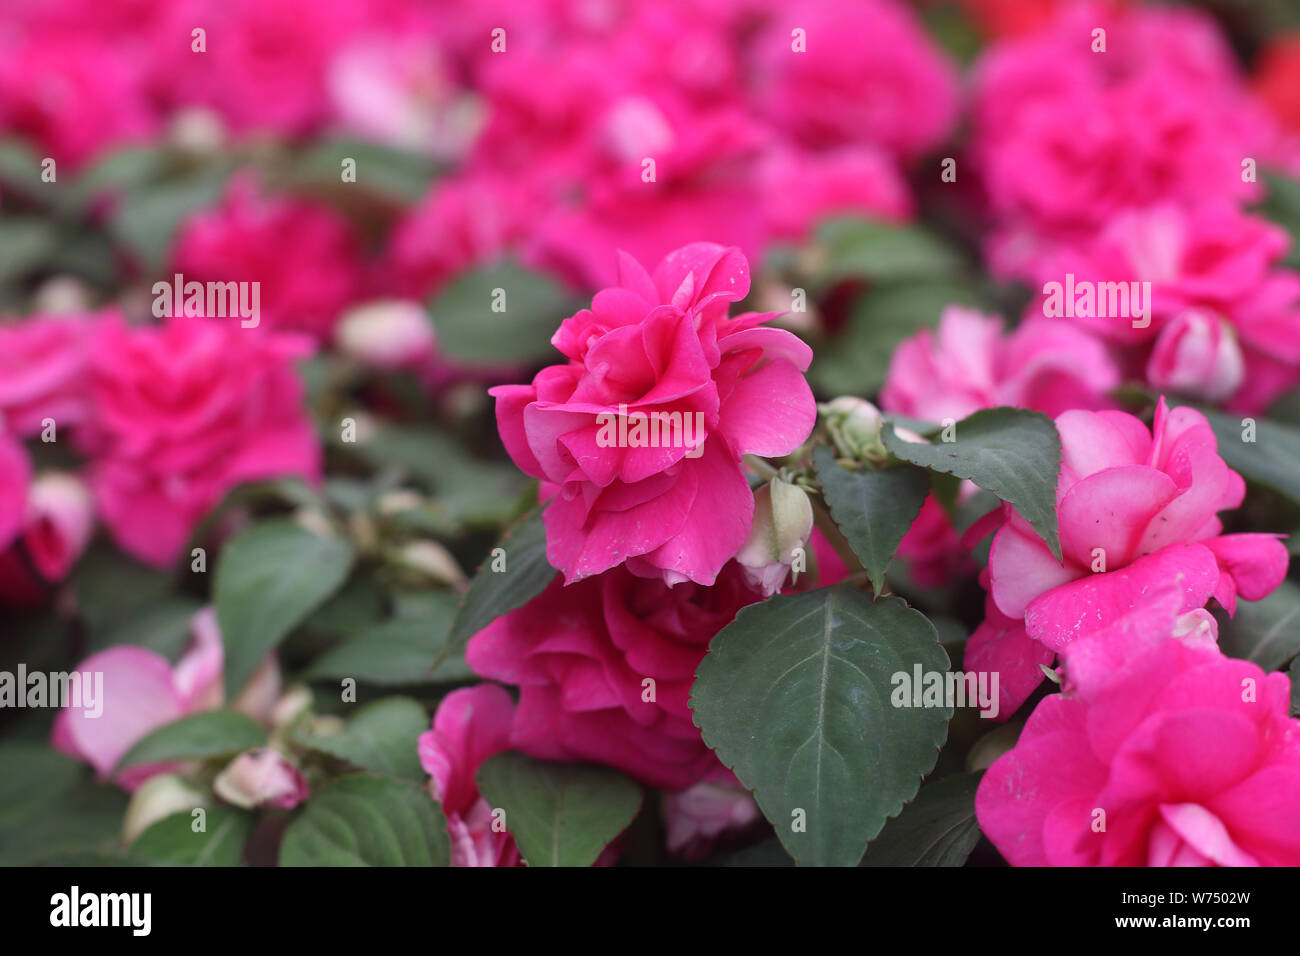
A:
[172,840]
[470,331]
[380,737]
[146,219]
[525,574]
[269,578]
[397,175]
[1266,632]
[367,820]
[111,588]
[559,814]
[51,809]
[211,733]
[856,360]
[794,695]
[25,243]
[1282,205]
[397,652]
[1293,672]
[163,627]
[468,491]
[1012,452]
[20,170]
[133,167]
[874,509]
[938,828]
[1272,459]
[883,252]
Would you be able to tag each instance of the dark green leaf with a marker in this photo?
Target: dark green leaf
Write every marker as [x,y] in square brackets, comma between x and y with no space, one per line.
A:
[269,579]
[470,331]
[1266,632]
[795,697]
[559,814]
[396,652]
[367,821]
[379,737]
[938,828]
[1262,451]
[525,573]
[883,252]
[172,840]
[874,509]
[211,733]
[1012,452]
[51,810]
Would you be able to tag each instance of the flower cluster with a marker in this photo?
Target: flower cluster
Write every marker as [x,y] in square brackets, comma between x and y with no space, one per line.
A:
[716,316]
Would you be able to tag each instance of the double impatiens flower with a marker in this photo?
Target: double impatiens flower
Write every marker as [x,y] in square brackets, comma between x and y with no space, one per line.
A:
[1160,751]
[1137,511]
[660,349]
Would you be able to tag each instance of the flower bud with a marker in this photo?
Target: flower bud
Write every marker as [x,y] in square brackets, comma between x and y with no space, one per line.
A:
[430,560]
[297,700]
[59,521]
[261,778]
[390,334]
[158,797]
[854,426]
[783,520]
[1197,354]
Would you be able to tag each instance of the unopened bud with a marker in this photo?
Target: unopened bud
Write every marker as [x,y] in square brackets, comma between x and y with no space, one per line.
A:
[431,560]
[261,778]
[158,797]
[390,334]
[854,427]
[783,520]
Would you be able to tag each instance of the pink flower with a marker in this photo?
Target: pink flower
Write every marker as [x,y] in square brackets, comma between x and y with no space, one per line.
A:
[264,66]
[470,725]
[58,524]
[401,90]
[15,476]
[463,223]
[303,285]
[261,778]
[705,183]
[801,188]
[183,413]
[142,691]
[931,548]
[869,73]
[681,507]
[1197,354]
[1160,752]
[966,364]
[604,669]
[43,362]
[72,96]
[699,815]
[1208,257]
[1136,509]
[1066,139]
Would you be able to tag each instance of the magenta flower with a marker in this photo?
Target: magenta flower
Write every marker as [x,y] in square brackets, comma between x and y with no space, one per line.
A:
[1160,752]
[1137,510]
[679,507]
[470,725]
